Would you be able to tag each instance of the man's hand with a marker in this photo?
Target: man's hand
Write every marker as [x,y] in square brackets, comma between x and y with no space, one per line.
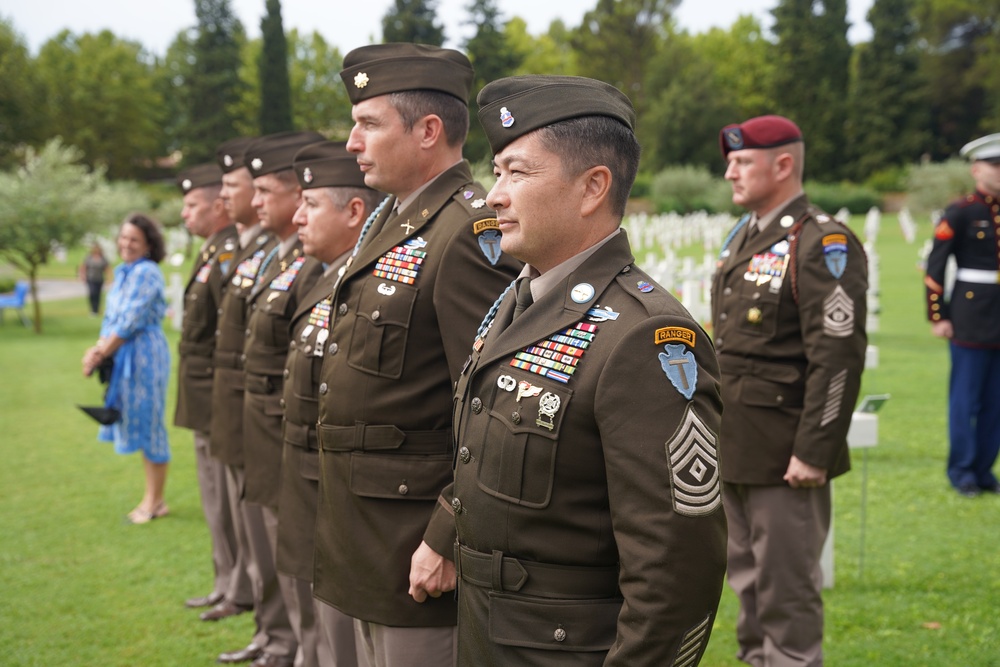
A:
[801,475]
[942,329]
[430,574]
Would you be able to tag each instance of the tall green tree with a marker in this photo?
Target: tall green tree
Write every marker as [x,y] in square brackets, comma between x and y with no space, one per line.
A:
[962,65]
[549,53]
[742,61]
[319,99]
[22,108]
[52,198]
[492,59]
[888,111]
[617,41]
[812,59]
[413,21]
[102,97]
[275,89]
[212,86]
[687,108]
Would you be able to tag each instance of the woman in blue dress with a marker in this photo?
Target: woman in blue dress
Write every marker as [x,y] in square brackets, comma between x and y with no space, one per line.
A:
[132,335]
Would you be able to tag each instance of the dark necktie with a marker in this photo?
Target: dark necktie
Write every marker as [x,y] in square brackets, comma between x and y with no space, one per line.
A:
[523,296]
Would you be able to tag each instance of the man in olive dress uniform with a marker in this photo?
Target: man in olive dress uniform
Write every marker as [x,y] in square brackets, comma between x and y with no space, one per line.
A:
[285,276]
[405,310]
[272,625]
[969,231]
[205,217]
[335,205]
[587,492]
[788,307]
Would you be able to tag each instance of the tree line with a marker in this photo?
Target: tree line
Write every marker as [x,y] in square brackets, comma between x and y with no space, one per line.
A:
[926,82]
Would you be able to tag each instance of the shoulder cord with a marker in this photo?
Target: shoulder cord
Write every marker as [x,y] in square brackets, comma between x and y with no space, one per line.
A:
[732,233]
[488,320]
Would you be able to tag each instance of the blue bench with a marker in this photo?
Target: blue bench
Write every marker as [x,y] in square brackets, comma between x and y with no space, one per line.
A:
[16,301]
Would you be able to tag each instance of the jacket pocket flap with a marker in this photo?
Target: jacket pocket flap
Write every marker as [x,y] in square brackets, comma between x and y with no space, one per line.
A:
[556,625]
[401,477]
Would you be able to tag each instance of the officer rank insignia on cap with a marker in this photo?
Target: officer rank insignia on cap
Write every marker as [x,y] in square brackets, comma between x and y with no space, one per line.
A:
[186,184]
[227,160]
[360,80]
[307,175]
[557,356]
[835,254]
[693,456]
[257,164]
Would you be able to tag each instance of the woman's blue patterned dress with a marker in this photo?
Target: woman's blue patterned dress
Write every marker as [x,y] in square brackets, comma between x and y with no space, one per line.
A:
[135,308]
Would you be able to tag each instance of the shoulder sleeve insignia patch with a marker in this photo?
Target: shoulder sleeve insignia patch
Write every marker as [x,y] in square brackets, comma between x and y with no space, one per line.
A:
[488,232]
[693,457]
[680,367]
[835,254]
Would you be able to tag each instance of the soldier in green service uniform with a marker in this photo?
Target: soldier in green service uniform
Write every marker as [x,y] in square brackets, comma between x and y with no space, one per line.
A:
[205,217]
[406,308]
[587,489]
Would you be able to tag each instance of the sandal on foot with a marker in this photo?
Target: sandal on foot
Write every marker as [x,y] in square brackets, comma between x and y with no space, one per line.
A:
[139,515]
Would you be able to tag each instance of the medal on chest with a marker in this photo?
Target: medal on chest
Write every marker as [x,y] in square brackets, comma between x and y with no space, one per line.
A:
[402,263]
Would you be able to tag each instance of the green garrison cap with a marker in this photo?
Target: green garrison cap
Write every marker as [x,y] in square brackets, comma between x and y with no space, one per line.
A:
[512,107]
[275,152]
[229,155]
[199,176]
[380,69]
[327,164]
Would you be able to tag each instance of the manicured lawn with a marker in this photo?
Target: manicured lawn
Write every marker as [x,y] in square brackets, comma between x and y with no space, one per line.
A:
[78,586]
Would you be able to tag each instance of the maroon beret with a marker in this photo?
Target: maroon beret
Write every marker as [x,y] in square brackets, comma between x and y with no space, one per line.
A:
[759,132]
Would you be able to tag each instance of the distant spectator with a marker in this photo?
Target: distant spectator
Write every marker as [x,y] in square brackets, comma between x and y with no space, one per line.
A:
[93,271]
[132,336]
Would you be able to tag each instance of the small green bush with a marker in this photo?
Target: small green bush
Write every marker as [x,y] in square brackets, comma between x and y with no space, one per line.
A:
[642,187]
[831,197]
[7,285]
[890,179]
[687,189]
[934,185]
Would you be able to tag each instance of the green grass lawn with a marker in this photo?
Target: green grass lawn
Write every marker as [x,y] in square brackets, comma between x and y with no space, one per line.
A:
[78,586]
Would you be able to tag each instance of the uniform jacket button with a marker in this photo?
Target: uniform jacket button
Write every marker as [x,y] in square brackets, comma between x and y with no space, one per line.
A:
[243,358]
[286,374]
[281,402]
[515,417]
[464,454]
[727,291]
[334,348]
[559,635]
[403,489]
[477,405]
[343,309]
[723,317]
[218,333]
[456,505]
[323,388]
[376,315]
[779,398]
[246,334]
[219,311]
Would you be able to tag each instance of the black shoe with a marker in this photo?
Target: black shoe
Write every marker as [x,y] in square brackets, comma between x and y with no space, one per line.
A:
[992,488]
[251,652]
[209,600]
[224,609]
[969,490]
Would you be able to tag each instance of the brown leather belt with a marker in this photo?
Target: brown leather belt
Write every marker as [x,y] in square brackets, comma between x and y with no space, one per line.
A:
[367,437]
[503,573]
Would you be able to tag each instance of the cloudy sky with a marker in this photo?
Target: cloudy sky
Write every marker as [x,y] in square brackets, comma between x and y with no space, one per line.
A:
[344,24]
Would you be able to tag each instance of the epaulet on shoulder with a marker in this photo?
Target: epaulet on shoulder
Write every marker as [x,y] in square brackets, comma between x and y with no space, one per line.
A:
[638,284]
[473,200]
[967,200]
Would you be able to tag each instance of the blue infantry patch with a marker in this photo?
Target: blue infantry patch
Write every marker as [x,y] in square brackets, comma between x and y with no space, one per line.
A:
[489,243]
[835,254]
[680,368]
